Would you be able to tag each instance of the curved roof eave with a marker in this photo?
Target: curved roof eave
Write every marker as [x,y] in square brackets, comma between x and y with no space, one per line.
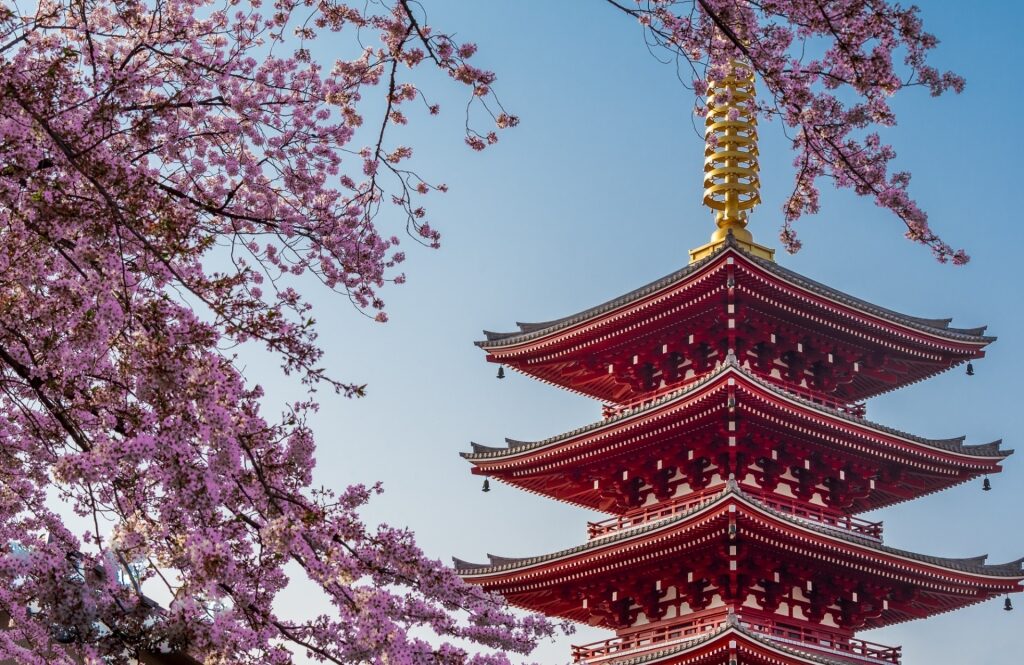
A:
[936,327]
[971,565]
[515,448]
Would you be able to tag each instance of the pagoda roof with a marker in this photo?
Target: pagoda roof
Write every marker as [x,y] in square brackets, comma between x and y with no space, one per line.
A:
[976,565]
[932,326]
[515,448]
[731,629]
[558,466]
[650,340]
[904,585]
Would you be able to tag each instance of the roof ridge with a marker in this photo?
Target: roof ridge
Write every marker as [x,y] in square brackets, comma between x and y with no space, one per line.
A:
[622,415]
[722,631]
[788,648]
[503,560]
[699,639]
[940,325]
[480,448]
[463,565]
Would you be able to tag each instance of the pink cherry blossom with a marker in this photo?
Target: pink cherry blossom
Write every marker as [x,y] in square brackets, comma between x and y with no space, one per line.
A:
[869,50]
[167,170]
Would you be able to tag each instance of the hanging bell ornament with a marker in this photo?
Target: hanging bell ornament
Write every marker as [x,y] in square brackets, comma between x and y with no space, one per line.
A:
[501,372]
[970,369]
[487,486]
[986,485]
[1008,605]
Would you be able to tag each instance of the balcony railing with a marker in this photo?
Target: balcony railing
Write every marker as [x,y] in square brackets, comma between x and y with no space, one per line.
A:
[656,512]
[795,508]
[661,636]
[825,640]
[808,638]
[802,510]
[857,410]
[815,397]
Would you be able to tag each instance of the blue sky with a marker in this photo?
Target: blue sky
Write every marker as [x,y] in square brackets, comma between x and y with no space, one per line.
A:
[598,192]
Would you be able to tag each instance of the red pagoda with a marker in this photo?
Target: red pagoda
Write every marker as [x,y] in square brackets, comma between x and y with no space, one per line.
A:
[734,455]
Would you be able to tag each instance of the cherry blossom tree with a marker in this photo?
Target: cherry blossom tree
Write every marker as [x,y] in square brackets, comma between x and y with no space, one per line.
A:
[830,67]
[169,170]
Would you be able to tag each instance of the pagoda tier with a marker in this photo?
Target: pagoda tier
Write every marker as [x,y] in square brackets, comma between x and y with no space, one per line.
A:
[813,339]
[733,553]
[795,454]
[728,640]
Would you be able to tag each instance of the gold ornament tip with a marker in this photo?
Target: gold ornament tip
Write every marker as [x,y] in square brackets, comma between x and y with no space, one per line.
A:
[731,183]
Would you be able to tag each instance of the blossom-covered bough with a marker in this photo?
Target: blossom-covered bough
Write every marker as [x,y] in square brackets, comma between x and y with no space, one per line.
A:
[168,170]
[813,57]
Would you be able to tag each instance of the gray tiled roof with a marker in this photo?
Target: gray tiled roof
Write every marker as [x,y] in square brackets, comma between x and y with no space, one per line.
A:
[513,447]
[940,327]
[974,565]
[954,445]
[787,648]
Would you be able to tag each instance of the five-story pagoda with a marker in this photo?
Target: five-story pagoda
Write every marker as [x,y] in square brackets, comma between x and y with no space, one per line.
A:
[734,454]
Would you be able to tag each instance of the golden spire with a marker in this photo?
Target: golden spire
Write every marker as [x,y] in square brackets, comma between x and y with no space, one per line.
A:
[730,160]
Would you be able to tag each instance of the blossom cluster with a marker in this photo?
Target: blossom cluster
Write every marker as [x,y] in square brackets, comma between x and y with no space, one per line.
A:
[829,69]
[167,171]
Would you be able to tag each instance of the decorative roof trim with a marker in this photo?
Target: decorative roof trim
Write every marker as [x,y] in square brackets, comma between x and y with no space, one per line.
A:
[955,446]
